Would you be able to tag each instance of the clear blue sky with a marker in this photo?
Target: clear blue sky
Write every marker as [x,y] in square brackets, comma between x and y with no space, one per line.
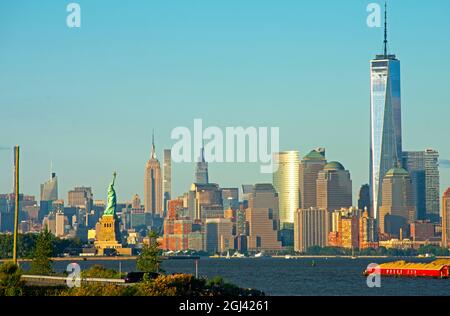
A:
[88,98]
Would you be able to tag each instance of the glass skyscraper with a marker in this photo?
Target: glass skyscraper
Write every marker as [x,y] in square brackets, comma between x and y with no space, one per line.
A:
[286,183]
[385,121]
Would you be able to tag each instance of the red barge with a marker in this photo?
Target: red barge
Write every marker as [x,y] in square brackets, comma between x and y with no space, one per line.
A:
[437,269]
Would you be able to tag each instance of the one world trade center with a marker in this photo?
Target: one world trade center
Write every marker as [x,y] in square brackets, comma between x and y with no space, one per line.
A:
[385,120]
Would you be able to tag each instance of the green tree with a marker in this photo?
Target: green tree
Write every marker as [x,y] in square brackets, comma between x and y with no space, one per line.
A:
[98,271]
[10,283]
[150,259]
[42,263]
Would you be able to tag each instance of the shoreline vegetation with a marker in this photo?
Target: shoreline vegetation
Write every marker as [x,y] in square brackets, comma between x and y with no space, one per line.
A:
[153,283]
[43,249]
[70,249]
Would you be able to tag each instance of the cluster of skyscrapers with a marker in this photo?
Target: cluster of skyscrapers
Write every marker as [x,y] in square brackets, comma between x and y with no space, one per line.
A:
[309,202]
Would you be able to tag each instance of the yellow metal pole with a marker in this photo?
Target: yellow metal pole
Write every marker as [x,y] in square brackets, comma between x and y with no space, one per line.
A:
[16,196]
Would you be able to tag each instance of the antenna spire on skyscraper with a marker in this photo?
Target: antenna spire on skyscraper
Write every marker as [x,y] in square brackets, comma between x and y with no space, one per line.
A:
[202,153]
[385,30]
[153,155]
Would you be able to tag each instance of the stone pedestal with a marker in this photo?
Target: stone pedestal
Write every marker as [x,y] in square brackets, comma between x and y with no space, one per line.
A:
[107,234]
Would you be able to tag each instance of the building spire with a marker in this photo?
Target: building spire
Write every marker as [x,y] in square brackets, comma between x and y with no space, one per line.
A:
[385,31]
[153,154]
[202,153]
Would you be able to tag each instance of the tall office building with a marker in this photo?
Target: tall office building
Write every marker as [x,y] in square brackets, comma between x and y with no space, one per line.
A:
[432,187]
[414,163]
[398,209]
[80,197]
[167,177]
[49,189]
[136,202]
[153,184]
[334,187]
[423,167]
[201,170]
[204,201]
[353,228]
[385,120]
[60,224]
[446,219]
[368,233]
[286,183]
[364,198]
[310,166]
[311,227]
[218,235]
[262,219]
[49,193]
[230,198]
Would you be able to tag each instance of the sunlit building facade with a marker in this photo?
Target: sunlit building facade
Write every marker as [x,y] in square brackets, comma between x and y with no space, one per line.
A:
[167,177]
[446,219]
[286,183]
[385,122]
[153,185]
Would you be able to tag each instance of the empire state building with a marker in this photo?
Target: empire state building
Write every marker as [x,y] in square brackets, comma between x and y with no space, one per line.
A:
[153,184]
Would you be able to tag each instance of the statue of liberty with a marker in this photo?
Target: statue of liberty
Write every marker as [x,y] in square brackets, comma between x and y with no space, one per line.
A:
[112,199]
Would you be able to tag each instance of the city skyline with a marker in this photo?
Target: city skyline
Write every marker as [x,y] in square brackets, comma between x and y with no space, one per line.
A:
[77,146]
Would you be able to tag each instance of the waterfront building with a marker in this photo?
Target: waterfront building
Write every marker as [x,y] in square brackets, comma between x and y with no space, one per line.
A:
[395,243]
[195,241]
[262,219]
[153,184]
[345,228]
[334,187]
[311,227]
[218,235]
[286,183]
[446,219]
[240,220]
[368,231]
[310,166]
[385,120]
[422,231]
[397,209]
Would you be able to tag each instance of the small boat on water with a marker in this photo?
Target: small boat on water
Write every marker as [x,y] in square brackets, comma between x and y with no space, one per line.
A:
[259,255]
[427,255]
[237,254]
[228,255]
